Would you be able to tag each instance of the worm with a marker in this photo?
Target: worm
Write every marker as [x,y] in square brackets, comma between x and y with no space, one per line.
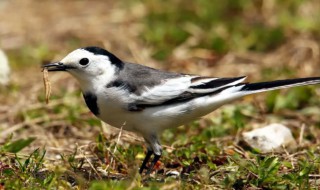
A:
[47,85]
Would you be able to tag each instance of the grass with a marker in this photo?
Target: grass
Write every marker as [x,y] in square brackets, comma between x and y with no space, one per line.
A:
[224,26]
[62,146]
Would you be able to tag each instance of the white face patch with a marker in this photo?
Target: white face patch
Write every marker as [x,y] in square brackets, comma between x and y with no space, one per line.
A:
[98,69]
[76,55]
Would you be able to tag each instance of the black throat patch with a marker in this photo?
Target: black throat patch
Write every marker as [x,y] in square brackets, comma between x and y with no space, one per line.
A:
[91,101]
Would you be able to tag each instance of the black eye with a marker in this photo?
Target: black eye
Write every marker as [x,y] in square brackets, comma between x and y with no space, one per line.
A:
[84,61]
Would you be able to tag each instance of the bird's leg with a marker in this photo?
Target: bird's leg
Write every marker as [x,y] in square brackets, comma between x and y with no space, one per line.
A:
[145,161]
[153,163]
[154,148]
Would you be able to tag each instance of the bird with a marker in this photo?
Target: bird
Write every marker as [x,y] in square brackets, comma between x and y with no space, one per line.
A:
[147,101]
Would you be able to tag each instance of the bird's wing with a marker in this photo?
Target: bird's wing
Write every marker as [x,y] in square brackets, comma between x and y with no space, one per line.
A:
[182,88]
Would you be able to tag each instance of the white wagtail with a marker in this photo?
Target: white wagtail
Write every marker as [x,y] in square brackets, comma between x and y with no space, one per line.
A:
[149,100]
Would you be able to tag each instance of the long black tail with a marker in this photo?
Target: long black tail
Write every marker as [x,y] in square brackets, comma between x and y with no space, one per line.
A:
[278,84]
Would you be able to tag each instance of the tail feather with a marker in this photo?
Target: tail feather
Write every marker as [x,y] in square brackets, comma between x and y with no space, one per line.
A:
[278,84]
[234,92]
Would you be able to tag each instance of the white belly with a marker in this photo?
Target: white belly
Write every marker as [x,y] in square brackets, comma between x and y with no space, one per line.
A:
[149,120]
[114,111]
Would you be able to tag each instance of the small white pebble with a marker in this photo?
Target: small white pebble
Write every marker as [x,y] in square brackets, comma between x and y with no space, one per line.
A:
[102,171]
[269,138]
[173,173]
[4,69]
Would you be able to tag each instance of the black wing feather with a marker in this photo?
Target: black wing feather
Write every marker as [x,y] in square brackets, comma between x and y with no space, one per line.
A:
[217,83]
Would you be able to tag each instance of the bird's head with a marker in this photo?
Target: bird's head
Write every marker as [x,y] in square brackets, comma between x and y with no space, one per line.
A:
[88,64]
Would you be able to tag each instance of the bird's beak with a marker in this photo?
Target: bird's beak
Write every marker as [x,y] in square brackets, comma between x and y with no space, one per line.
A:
[57,66]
